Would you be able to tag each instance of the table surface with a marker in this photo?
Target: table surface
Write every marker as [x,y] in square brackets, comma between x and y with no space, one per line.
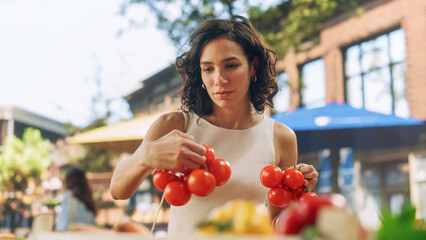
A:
[133,236]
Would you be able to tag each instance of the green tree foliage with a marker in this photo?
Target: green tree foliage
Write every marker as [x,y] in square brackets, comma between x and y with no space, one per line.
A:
[180,17]
[285,24]
[23,159]
[291,22]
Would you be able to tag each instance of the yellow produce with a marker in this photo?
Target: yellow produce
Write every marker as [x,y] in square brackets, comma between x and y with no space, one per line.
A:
[238,217]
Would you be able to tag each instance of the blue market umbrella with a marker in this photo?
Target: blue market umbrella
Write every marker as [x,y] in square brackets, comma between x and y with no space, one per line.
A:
[335,126]
[340,125]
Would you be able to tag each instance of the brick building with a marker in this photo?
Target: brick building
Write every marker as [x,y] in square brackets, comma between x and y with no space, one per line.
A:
[381,17]
[158,93]
[376,61]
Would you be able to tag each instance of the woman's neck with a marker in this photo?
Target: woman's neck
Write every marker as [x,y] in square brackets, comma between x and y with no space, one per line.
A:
[234,118]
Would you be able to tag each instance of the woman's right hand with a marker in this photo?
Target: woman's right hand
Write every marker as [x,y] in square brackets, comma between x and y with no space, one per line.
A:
[165,146]
[176,151]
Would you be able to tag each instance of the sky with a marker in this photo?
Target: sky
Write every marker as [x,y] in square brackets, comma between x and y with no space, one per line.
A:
[52,52]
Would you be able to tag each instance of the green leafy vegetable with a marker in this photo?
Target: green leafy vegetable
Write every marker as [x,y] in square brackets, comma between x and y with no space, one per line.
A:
[400,226]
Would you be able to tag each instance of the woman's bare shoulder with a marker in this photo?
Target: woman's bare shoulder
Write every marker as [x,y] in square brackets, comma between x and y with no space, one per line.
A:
[285,143]
[166,123]
[283,133]
[172,118]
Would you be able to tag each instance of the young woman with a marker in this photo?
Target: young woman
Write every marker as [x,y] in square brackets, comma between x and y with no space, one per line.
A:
[229,79]
[78,205]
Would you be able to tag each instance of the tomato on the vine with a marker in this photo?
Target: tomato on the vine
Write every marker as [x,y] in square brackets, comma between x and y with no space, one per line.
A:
[201,182]
[183,177]
[161,178]
[279,196]
[210,155]
[221,171]
[176,193]
[297,193]
[308,196]
[293,178]
[271,176]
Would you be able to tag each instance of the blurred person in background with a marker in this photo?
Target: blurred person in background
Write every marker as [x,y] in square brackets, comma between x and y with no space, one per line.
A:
[78,208]
[77,205]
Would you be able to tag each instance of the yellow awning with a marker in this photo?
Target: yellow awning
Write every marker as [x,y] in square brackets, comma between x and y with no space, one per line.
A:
[123,136]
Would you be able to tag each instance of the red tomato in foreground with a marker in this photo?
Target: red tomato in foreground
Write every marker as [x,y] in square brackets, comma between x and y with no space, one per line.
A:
[221,170]
[176,193]
[335,199]
[210,155]
[293,178]
[162,178]
[279,196]
[310,206]
[201,183]
[294,219]
[271,176]
[290,222]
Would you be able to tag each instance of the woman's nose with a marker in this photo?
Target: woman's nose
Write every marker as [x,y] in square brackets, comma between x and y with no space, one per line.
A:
[219,78]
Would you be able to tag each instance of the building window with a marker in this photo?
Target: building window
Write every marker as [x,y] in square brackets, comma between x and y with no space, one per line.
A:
[282,99]
[160,88]
[375,74]
[312,84]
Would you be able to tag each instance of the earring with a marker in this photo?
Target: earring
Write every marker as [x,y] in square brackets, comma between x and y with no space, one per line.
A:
[203,86]
[253,78]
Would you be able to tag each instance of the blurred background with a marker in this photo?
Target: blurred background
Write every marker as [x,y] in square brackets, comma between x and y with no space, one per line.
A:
[81,82]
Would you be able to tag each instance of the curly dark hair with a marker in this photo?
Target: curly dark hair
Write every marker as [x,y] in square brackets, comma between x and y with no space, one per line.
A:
[241,31]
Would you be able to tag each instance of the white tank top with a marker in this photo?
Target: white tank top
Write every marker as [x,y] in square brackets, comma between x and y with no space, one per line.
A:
[247,151]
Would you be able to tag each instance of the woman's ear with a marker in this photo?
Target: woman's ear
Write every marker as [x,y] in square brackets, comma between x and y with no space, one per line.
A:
[254,65]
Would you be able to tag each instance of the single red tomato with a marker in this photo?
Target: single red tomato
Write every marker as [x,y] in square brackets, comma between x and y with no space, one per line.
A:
[221,170]
[311,205]
[297,192]
[290,222]
[162,178]
[293,178]
[176,193]
[210,155]
[271,176]
[335,199]
[279,196]
[201,182]
[307,196]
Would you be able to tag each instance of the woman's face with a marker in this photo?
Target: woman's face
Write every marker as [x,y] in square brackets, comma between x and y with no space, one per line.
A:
[226,73]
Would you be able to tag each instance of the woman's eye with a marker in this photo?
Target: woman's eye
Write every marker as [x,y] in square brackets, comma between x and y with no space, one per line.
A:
[207,69]
[231,65]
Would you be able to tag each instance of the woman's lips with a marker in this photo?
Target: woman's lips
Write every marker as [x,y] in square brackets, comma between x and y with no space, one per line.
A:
[222,94]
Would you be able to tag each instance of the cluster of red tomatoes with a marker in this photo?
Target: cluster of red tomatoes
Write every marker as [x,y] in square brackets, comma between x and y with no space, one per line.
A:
[285,186]
[179,187]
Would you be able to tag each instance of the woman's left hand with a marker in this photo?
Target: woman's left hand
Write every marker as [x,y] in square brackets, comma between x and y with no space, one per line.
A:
[310,174]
